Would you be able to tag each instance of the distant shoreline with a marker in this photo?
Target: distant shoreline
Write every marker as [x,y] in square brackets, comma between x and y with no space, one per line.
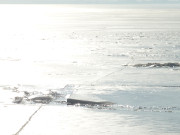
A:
[105,5]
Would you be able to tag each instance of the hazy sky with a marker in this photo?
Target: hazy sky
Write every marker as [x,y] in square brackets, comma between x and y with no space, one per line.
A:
[96,1]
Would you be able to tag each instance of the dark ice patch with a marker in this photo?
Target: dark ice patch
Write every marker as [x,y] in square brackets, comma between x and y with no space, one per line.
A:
[54,96]
[71,101]
[158,65]
[45,99]
[17,100]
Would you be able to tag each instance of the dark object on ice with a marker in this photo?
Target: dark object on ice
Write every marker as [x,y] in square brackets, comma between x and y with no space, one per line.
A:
[41,99]
[26,93]
[158,65]
[18,100]
[71,101]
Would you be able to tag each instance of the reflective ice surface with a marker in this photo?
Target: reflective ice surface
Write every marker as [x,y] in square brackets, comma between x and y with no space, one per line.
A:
[95,50]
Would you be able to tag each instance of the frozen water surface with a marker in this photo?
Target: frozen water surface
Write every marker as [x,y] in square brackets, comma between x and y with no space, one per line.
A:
[127,55]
